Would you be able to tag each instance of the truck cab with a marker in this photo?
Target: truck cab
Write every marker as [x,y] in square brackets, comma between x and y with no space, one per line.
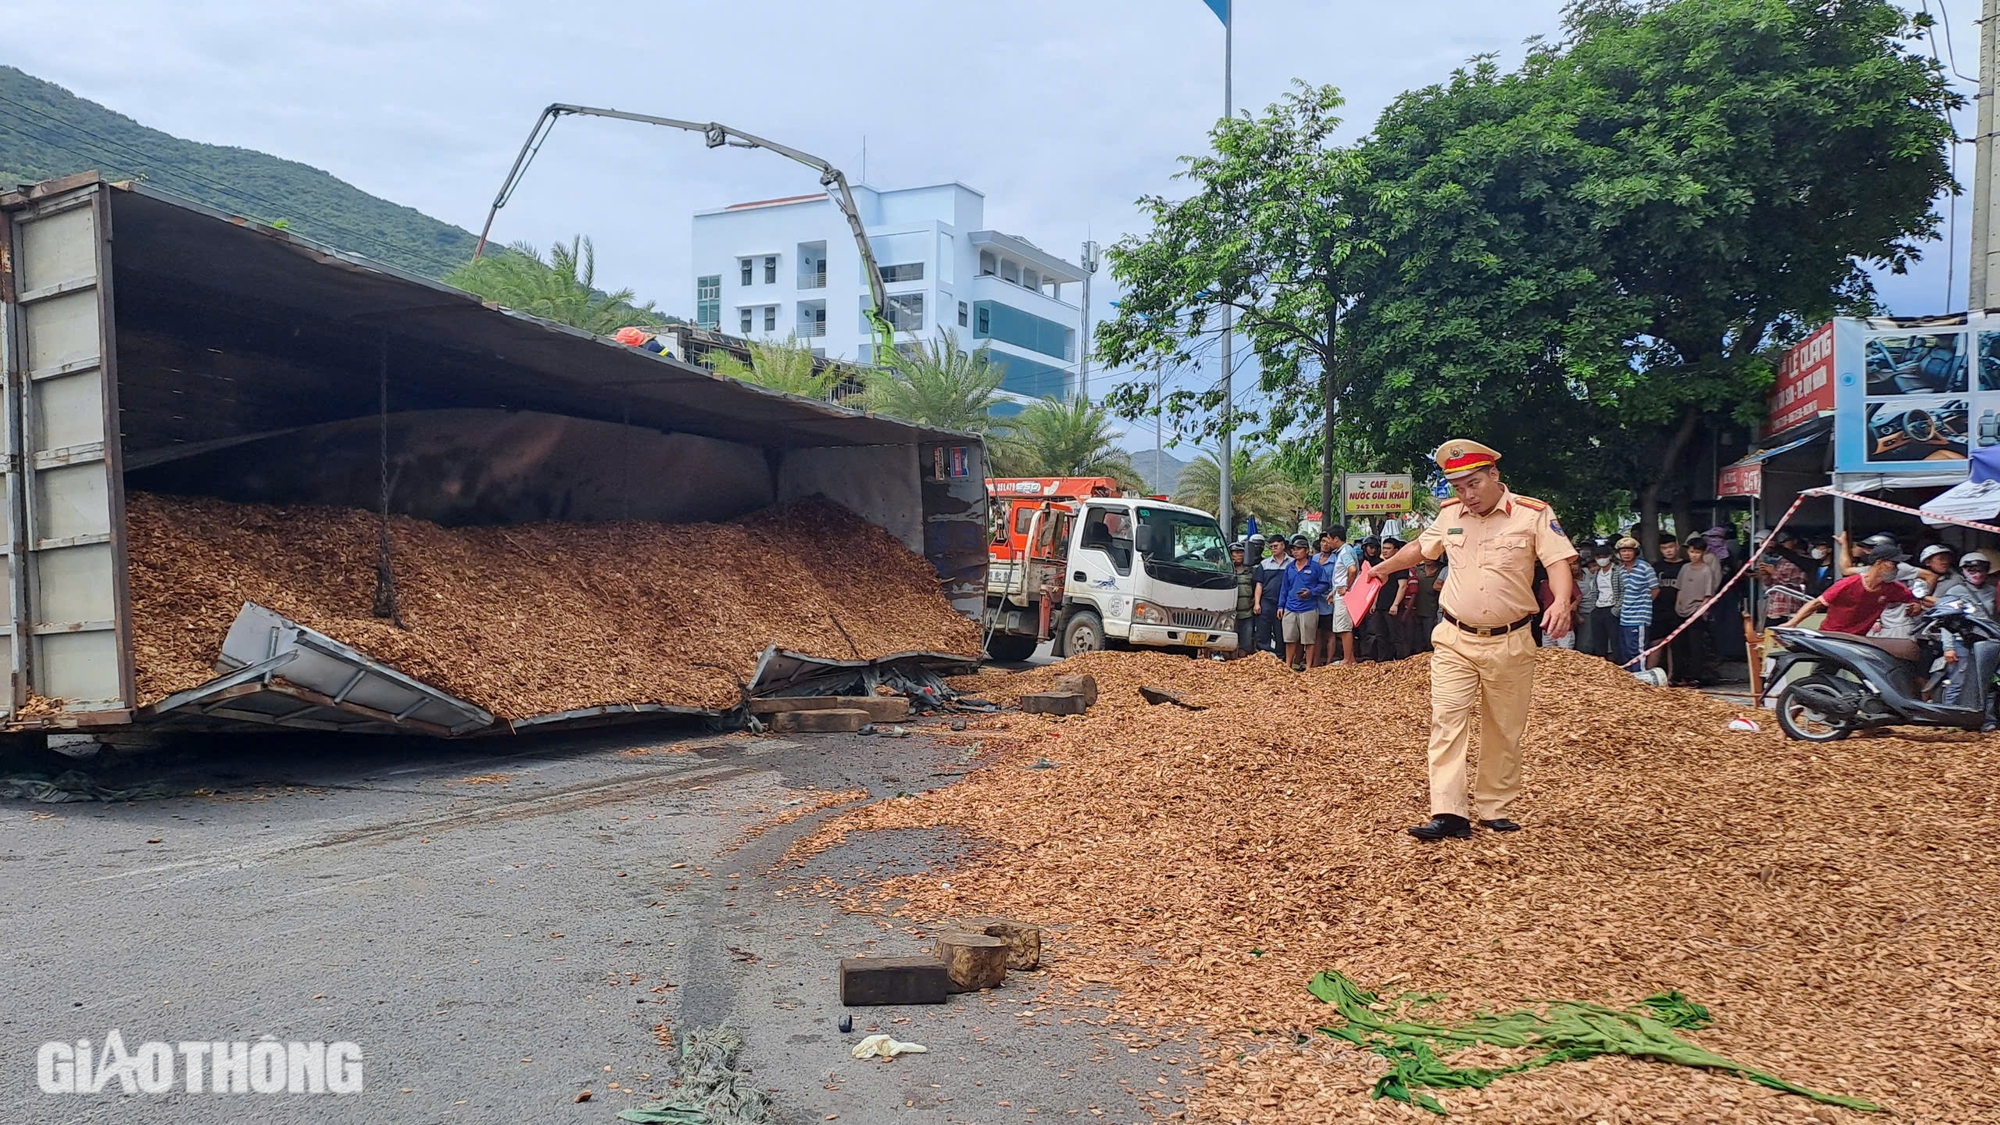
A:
[1105,570]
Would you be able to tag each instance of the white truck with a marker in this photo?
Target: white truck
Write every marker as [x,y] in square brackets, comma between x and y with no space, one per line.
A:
[1100,571]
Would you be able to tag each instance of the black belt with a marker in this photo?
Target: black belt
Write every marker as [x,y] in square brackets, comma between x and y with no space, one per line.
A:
[1487,630]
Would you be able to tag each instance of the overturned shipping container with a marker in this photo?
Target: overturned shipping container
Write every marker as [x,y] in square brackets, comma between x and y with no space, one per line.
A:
[154,345]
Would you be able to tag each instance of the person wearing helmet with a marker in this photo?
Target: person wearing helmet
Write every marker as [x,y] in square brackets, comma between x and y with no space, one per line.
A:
[1638,582]
[1305,586]
[1971,584]
[1246,595]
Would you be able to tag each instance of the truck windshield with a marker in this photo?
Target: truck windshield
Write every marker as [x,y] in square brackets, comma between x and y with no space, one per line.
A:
[1185,548]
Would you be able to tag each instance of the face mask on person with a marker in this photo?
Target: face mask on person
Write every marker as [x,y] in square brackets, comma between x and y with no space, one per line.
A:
[1820,553]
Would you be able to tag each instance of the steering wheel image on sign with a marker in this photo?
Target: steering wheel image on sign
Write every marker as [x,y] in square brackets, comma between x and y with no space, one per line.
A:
[1917,432]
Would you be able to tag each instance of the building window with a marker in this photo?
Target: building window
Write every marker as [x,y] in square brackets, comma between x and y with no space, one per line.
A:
[748,268]
[906,312]
[747,320]
[1023,329]
[989,264]
[1010,270]
[908,271]
[964,310]
[770,318]
[708,301]
[1031,280]
[771,269]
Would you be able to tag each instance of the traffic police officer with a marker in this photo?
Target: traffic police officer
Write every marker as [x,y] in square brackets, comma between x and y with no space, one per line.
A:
[1485,652]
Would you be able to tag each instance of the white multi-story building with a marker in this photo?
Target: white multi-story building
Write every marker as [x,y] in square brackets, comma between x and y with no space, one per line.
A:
[778,267]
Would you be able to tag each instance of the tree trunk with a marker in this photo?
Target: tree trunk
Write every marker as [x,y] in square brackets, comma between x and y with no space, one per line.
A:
[1670,463]
[1329,362]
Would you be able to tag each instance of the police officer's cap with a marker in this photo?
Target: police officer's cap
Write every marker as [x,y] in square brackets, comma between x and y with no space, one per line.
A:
[1461,457]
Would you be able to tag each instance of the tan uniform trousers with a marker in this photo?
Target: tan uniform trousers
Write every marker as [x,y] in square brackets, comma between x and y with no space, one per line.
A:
[1497,675]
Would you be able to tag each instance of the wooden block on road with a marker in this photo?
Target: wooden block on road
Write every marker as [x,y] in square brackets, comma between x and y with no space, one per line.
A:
[1082,683]
[835,720]
[893,980]
[880,708]
[973,961]
[1055,703]
[1024,942]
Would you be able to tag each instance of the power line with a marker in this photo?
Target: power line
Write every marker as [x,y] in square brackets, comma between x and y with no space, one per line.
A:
[1944,17]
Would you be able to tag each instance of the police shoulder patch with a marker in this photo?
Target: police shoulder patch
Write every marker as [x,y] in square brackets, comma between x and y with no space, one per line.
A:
[1531,502]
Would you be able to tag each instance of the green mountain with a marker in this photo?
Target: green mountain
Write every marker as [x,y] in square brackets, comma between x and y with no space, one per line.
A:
[46,131]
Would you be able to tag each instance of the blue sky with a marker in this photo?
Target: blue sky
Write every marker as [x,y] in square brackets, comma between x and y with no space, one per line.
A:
[1061,112]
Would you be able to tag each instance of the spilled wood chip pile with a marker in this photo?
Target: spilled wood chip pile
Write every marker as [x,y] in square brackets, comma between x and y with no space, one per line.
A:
[531,619]
[1829,904]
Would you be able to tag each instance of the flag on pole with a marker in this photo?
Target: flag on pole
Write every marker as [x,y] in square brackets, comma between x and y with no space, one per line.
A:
[1220,8]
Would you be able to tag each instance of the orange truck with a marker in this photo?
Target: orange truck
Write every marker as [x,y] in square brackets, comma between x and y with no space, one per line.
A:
[1079,561]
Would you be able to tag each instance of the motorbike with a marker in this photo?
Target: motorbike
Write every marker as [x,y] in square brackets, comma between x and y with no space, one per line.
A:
[1858,683]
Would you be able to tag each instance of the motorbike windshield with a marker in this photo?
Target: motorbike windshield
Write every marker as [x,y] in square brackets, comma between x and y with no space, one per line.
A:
[1186,549]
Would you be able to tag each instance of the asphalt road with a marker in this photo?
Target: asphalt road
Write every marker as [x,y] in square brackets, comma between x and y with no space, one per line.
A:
[502,925]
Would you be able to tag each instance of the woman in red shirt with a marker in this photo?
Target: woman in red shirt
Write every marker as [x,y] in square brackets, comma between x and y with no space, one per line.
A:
[1856,602]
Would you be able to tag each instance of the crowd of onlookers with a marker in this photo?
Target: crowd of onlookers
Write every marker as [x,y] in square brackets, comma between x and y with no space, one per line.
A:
[1292,600]
[1292,595]
[1625,601]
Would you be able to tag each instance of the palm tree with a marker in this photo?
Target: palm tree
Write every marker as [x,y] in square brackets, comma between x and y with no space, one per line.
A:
[782,365]
[561,288]
[1053,438]
[1257,487]
[936,384]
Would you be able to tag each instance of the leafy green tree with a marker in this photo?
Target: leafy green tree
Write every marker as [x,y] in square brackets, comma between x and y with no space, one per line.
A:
[1258,486]
[786,365]
[1275,229]
[561,287]
[936,383]
[1054,438]
[1589,262]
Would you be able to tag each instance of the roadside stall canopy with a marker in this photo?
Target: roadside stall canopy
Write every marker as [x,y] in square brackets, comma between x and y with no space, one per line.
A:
[1977,498]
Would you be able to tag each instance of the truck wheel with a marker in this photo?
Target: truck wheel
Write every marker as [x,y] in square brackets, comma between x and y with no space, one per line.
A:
[1799,719]
[1083,632]
[1010,647]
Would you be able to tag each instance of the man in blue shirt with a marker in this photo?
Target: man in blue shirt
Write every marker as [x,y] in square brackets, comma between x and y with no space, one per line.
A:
[1635,605]
[1304,591]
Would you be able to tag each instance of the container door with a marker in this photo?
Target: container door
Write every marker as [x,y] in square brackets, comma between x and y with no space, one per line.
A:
[69,611]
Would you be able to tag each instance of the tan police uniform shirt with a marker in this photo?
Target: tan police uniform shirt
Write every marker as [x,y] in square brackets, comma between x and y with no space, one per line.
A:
[1491,580]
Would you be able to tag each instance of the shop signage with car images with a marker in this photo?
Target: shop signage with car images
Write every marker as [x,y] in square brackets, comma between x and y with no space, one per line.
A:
[1376,494]
[1804,388]
[1915,395]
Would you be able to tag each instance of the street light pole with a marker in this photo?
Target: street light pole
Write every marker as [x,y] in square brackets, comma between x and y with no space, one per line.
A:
[1083,346]
[1224,501]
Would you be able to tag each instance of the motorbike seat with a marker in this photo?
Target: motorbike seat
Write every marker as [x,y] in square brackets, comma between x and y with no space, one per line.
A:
[1902,648]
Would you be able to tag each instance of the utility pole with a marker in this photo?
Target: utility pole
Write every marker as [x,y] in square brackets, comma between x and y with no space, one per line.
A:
[1985,169]
[1083,346]
[1226,516]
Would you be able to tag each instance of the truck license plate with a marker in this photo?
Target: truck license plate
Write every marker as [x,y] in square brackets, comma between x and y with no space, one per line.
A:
[1197,638]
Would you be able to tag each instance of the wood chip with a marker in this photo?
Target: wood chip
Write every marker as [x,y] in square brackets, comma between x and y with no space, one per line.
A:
[531,619]
[1824,901]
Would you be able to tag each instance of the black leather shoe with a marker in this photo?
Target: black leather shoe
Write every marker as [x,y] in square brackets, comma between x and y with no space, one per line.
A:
[1501,825]
[1443,826]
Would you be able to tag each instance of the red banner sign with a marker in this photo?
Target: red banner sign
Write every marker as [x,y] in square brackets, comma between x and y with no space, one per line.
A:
[1805,383]
[1741,480]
